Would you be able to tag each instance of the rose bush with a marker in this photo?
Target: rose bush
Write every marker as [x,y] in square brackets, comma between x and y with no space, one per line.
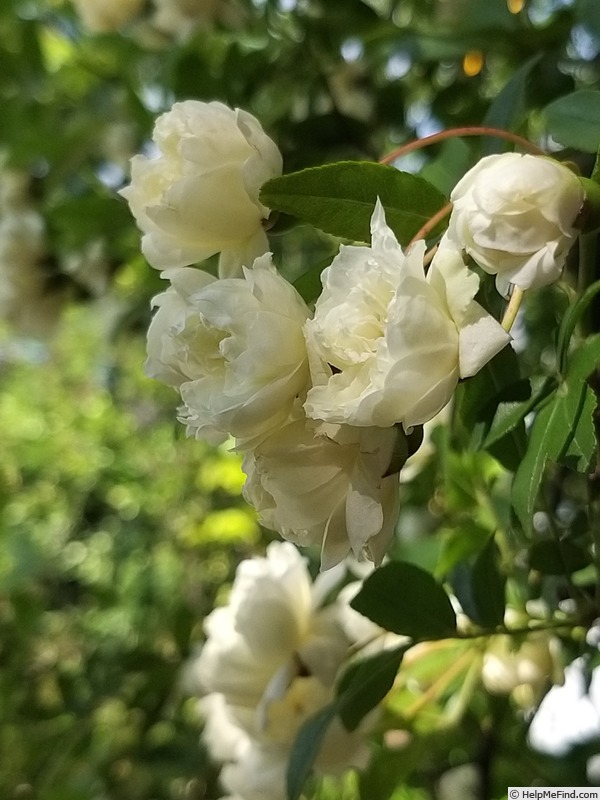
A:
[388,344]
[515,215]
[233,348]
[199,195]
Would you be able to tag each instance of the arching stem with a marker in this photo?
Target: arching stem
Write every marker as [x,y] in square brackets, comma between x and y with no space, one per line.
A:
[431,223]
[451,133]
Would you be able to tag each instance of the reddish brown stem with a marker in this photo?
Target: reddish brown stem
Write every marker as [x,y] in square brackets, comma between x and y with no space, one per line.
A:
[431,223]
[451,133]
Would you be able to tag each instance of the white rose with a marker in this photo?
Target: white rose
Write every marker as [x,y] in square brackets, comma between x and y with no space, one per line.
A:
[272,656]
[515,214]
[388,344]
[234,348]
[199,196]
[103,16]
[327,487]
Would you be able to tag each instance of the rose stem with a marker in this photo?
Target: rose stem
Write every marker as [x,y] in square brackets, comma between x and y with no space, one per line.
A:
[431,223]
[417,144]
[514,304]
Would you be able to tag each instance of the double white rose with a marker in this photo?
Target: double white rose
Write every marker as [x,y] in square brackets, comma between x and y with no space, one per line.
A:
[515,215]
[199,196]
[233,347]
[269,662]
[327,486]
[388,343]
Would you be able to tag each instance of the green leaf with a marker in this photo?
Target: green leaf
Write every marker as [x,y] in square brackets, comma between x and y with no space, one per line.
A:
[339,198]
[365,683]
[305,749]
[308,285]
[406,599]
[480,586]
[569,322]
[488,586]
[582,445]
[509,415]
[554,557]
[574,120]
[478,401]
[556,430]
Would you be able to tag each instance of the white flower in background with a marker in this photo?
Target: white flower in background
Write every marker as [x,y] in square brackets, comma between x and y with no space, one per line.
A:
[388,344]
[515,214]
[523,666]
[89,267]
[179,18]
[199,195]
[234,348]
[269,662]
[26,301]
[104,16]
[327,486]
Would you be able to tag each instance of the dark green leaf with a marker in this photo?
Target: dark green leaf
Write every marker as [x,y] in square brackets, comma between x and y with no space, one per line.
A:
[305,749]
[308,285]
[569,322]
[556,430]
[557,558]
[509,415]
[365,683]
[574,120]
[478,401]
[488,584]
[339,198]
[406,599]
[479,586]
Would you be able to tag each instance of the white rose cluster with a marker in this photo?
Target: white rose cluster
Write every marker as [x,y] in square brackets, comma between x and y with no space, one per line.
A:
[321,401]
[270,661]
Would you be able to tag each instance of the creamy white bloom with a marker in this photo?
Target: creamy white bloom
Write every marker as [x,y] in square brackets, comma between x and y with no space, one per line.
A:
[233,348]
[199,196]
[326,486]
[515,214]
[103,16]
[388,343]
[272,656]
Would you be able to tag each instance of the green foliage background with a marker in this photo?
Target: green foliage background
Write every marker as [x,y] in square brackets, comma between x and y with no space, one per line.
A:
[117,535]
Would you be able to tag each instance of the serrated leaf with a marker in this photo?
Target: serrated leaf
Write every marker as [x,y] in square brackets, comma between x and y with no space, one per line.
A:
[305,749]
[308,285]
[339,198]
[509,415]
[574,120]
[365,683]
[582,446]
[555,428]
[478,400]
[405,599]
[557,558]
